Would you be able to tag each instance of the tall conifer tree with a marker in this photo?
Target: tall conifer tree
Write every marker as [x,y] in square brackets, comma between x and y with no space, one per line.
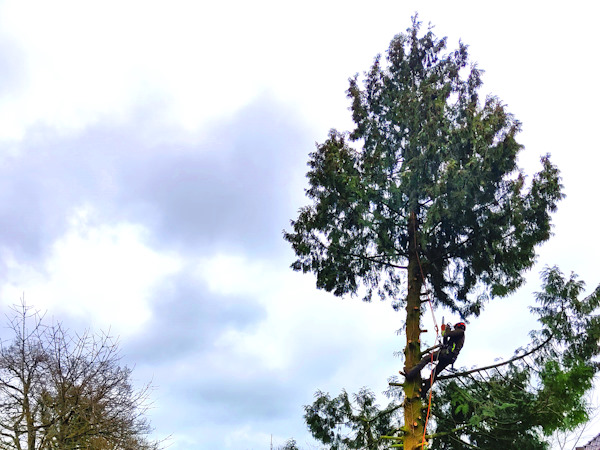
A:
[423,193]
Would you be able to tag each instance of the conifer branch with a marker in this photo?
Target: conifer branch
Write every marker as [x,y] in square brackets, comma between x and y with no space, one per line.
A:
[493,366]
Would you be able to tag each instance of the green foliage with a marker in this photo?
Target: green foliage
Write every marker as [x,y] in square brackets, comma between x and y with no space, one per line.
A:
[344,424]
[519,405]
[494,412]
[290,445]
[424,144]
[566,318]
[514,406]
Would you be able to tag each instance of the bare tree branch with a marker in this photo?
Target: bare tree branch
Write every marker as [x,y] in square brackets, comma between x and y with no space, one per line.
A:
[63,390]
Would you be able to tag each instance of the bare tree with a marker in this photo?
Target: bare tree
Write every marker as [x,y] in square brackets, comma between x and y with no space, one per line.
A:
[65,391]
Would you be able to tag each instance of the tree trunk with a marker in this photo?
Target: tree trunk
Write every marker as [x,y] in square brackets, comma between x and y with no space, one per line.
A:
[413,406]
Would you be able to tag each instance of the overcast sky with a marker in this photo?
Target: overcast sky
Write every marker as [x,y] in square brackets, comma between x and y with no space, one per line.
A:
[152,152]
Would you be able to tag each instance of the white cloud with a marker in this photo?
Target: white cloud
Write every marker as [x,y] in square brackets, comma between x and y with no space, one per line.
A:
[228,274]
[103,273]
[304,329]
[87,60]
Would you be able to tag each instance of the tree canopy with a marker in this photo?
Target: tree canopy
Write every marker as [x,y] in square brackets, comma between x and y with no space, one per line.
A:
[423,195]
[426,145]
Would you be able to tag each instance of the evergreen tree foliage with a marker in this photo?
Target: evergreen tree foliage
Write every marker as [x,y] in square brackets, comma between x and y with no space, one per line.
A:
[424,191]
[289,445]
[355,422]
[517,404]
[426,144]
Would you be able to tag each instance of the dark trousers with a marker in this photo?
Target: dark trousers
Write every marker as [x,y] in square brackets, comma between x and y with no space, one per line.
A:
[443,360]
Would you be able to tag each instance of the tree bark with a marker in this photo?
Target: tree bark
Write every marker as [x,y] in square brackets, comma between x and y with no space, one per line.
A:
[413,406]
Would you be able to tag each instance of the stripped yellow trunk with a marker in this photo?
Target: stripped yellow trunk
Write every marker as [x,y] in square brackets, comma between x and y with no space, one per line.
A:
[413,406]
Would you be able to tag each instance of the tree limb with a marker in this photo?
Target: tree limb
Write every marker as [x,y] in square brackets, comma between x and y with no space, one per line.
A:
[516,358]
[479,369]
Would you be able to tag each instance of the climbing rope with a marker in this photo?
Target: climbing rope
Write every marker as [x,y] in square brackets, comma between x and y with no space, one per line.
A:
[437,340]
[431,377]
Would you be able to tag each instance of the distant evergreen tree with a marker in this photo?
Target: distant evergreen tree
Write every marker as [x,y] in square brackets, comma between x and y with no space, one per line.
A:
[290,445]
[429,193]
[351,423]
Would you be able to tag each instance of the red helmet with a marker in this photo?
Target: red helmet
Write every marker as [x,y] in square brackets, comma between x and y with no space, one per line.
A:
[461,325]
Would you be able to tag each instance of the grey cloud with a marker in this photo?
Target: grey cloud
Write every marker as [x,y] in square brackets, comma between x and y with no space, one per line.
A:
[227,401]
[187,319]
[230,190]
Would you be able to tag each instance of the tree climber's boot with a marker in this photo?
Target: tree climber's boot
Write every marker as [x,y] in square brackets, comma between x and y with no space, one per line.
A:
[415,371]
[410,374]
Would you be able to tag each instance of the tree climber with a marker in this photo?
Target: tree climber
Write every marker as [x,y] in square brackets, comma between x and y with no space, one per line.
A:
[452,343]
